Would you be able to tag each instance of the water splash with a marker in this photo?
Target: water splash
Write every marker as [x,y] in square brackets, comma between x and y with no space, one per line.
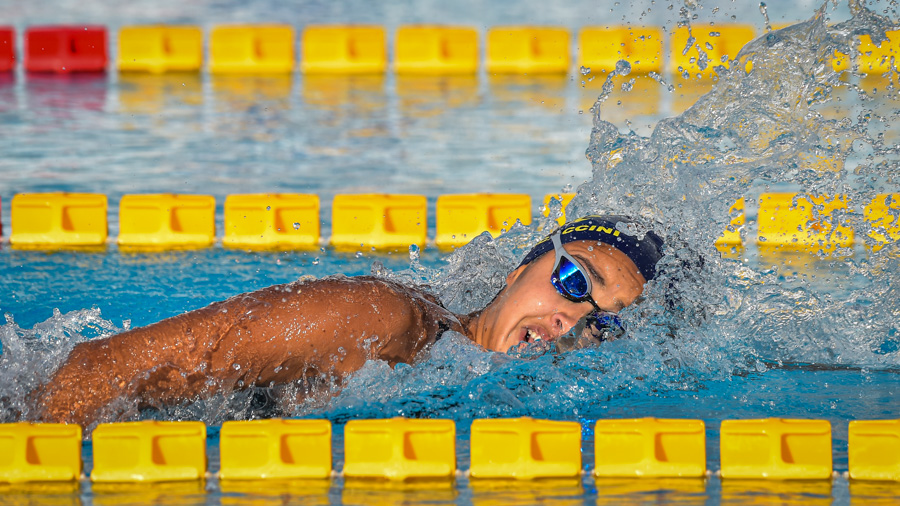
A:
[777,118]
[768,122]
[459,381]
[29,354]
[764,10]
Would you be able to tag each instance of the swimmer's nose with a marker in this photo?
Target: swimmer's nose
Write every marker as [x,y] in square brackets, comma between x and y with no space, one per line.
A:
[562,322]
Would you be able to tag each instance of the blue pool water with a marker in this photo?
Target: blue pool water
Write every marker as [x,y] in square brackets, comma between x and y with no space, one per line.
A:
[786,335]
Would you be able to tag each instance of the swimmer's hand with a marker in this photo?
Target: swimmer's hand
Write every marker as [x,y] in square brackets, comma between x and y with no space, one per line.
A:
[324,329]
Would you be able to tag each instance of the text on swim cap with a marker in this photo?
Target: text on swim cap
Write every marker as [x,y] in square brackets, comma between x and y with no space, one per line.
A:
[582,228]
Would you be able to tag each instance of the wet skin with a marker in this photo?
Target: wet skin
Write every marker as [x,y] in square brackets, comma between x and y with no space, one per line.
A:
[325,328]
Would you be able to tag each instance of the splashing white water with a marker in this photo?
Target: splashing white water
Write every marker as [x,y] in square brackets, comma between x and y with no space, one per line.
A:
[775,120]
[29,355]
[764,126]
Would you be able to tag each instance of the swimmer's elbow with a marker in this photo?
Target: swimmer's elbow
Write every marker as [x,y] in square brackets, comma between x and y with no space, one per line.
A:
[408,334]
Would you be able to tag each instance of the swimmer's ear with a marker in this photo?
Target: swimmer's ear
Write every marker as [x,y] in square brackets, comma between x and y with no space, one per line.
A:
[512,276]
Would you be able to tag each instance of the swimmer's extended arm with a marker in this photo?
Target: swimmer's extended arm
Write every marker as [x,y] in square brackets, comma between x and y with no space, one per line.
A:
[276,335]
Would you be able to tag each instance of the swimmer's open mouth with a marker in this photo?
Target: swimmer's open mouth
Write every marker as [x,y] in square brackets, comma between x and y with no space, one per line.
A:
[534,335]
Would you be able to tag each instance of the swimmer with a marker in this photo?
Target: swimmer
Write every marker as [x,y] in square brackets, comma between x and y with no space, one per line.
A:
[332,326]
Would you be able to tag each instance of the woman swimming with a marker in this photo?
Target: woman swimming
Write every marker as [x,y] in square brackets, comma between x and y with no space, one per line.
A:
[301,330]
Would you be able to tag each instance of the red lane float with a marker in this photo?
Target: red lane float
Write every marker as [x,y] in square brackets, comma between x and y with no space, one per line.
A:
[7,49]
[64,49]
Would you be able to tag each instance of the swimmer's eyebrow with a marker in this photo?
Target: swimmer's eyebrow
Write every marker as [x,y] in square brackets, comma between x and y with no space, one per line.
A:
[594,274]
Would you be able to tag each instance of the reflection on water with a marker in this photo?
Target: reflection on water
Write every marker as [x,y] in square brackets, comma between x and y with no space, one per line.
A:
[386,493]
[164,494]
[204,133]
[428,96]
[252,110]
[681,491]
[769,492]
[341,101]
[873,493]
[49,494]
[7,92]
[357,93]
[240,93]
[141,93]
[62,96]
[618,492]
[499,492]
[545,92]
[275,492]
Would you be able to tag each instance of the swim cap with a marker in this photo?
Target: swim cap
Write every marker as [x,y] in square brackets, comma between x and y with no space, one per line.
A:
[645,253]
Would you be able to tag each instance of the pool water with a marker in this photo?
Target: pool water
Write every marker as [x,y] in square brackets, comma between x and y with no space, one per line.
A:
[752,334]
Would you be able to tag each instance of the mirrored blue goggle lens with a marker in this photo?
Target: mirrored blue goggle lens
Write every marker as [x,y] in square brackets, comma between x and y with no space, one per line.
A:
[572,279]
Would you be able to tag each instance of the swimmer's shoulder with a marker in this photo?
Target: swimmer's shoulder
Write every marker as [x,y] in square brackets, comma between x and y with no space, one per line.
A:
[371,285]
[427,305]
[414,303]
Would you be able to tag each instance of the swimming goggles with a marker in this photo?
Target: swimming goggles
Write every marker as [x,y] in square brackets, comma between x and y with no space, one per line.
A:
[573,282]
[569,277]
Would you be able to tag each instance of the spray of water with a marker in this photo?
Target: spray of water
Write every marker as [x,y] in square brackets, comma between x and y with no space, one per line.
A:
[30,354]
[765,123]
[776,118]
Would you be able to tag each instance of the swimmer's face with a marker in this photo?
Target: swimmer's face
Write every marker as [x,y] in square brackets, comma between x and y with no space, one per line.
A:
[530,307]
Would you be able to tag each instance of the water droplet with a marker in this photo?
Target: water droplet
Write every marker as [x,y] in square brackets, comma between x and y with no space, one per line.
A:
[296,226]
[237,367]
[623,68]
[585,70]
[765,13]
[268,208]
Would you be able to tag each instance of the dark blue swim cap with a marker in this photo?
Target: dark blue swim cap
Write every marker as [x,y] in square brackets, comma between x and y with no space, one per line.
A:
[645,252]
